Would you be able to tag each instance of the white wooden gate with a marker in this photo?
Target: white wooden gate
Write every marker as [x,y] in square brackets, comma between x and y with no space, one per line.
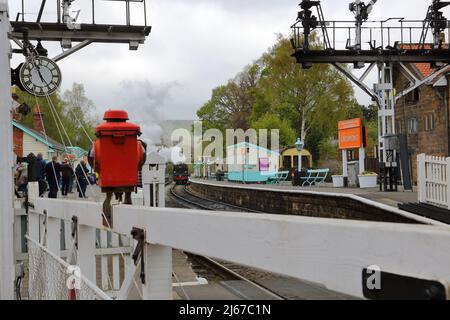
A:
[433,180]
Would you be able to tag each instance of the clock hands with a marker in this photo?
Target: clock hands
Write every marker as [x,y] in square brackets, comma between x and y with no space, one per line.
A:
[40,76]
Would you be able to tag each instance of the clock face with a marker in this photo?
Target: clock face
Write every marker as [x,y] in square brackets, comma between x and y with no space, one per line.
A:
[41,77]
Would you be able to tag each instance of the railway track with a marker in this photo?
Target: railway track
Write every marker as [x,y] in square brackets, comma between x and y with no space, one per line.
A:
[221,271]
[183,195]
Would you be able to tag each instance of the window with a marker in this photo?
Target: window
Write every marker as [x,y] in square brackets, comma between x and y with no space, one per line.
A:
[413,96]
[264,164]
[429,122]
[353,155]
[412,125]
[287,162]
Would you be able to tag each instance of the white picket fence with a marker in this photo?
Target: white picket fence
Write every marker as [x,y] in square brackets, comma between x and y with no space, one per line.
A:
[433,180]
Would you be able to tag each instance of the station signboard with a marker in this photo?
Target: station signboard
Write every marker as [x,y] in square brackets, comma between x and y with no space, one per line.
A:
[351,134]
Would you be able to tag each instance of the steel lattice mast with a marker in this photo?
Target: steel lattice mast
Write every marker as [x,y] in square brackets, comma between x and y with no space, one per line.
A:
[395,46]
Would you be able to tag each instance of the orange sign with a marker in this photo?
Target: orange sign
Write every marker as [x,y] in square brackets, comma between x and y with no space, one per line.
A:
[349,124]
[350,134]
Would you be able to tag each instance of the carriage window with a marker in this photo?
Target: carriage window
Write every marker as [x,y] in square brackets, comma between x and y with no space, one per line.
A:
[287,162]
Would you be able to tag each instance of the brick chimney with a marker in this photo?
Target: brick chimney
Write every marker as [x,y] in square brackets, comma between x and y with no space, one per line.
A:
[38,117]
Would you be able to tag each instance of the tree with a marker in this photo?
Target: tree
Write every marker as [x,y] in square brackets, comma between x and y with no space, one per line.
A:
[65,119]
[306,98]
[271,122]
[231,105]
[275,92]
[78,110]
[371,113]
[49,111]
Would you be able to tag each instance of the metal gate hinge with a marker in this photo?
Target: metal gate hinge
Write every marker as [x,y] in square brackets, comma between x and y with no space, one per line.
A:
[75,230]
[28,204]
[139,236]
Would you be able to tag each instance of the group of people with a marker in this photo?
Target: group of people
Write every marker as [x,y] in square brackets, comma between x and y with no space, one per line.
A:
[52,176]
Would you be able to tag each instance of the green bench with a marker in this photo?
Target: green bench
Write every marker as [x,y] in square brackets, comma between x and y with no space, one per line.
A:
[278,178]
[315,177]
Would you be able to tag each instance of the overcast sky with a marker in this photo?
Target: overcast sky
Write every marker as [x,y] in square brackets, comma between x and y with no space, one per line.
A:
[195,46]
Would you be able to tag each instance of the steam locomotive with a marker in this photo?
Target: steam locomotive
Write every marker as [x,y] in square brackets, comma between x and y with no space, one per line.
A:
[181,174]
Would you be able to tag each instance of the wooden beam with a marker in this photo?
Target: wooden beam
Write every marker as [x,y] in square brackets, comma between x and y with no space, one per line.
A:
[330,252]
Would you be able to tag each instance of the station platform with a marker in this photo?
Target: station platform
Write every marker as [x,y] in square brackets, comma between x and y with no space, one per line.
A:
[392,199]
[322,201]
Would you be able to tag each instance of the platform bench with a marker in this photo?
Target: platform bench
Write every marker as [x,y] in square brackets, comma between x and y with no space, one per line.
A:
[315,177]
[279,177]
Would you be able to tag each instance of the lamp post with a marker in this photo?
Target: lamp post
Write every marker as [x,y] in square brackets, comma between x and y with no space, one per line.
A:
[299,146]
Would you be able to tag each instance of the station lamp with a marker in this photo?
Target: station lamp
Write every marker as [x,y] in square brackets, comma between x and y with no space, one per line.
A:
[299,145]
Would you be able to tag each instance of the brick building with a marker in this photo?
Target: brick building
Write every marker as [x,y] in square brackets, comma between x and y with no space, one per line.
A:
[33,140]
[423,115]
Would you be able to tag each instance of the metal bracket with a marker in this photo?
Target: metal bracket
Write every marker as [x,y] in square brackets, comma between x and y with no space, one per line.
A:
[72,50]
[28,204]
[44,234]
[139,236]
[359,81]
[75,230]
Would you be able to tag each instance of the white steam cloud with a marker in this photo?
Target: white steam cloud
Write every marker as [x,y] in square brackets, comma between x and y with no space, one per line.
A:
[145,103]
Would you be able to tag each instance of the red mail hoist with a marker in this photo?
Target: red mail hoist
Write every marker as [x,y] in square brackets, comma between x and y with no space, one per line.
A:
[117,157]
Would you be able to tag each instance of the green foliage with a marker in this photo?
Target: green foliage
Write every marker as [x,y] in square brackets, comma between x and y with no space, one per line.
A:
[231,105]
[272,121]
[65,118]
[370,113]
[78,111]
[306,98]
[328,150]
[275,92]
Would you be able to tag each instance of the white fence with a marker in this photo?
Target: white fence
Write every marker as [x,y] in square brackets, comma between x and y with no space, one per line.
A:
[433,180]
[329,252]
[324,251]
[54,245]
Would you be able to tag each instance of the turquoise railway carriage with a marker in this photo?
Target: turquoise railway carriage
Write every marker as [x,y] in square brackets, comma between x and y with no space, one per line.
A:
[249,163]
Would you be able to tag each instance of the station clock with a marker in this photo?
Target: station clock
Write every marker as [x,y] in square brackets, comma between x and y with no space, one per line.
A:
[40,76]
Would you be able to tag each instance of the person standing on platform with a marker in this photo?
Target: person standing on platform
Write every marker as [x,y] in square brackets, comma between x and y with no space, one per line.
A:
[72,178]
[81,173]
[22,178]
[40,174]
[67,173]
[53,175]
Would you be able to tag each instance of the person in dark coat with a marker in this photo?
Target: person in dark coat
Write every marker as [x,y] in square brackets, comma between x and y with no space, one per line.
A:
[40,174]
[31,160]
[53,175]
[67,173]
[81,173]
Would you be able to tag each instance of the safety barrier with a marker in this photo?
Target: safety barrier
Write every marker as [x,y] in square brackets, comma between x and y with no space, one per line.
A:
[433,180]
[338,261]
[52,278]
